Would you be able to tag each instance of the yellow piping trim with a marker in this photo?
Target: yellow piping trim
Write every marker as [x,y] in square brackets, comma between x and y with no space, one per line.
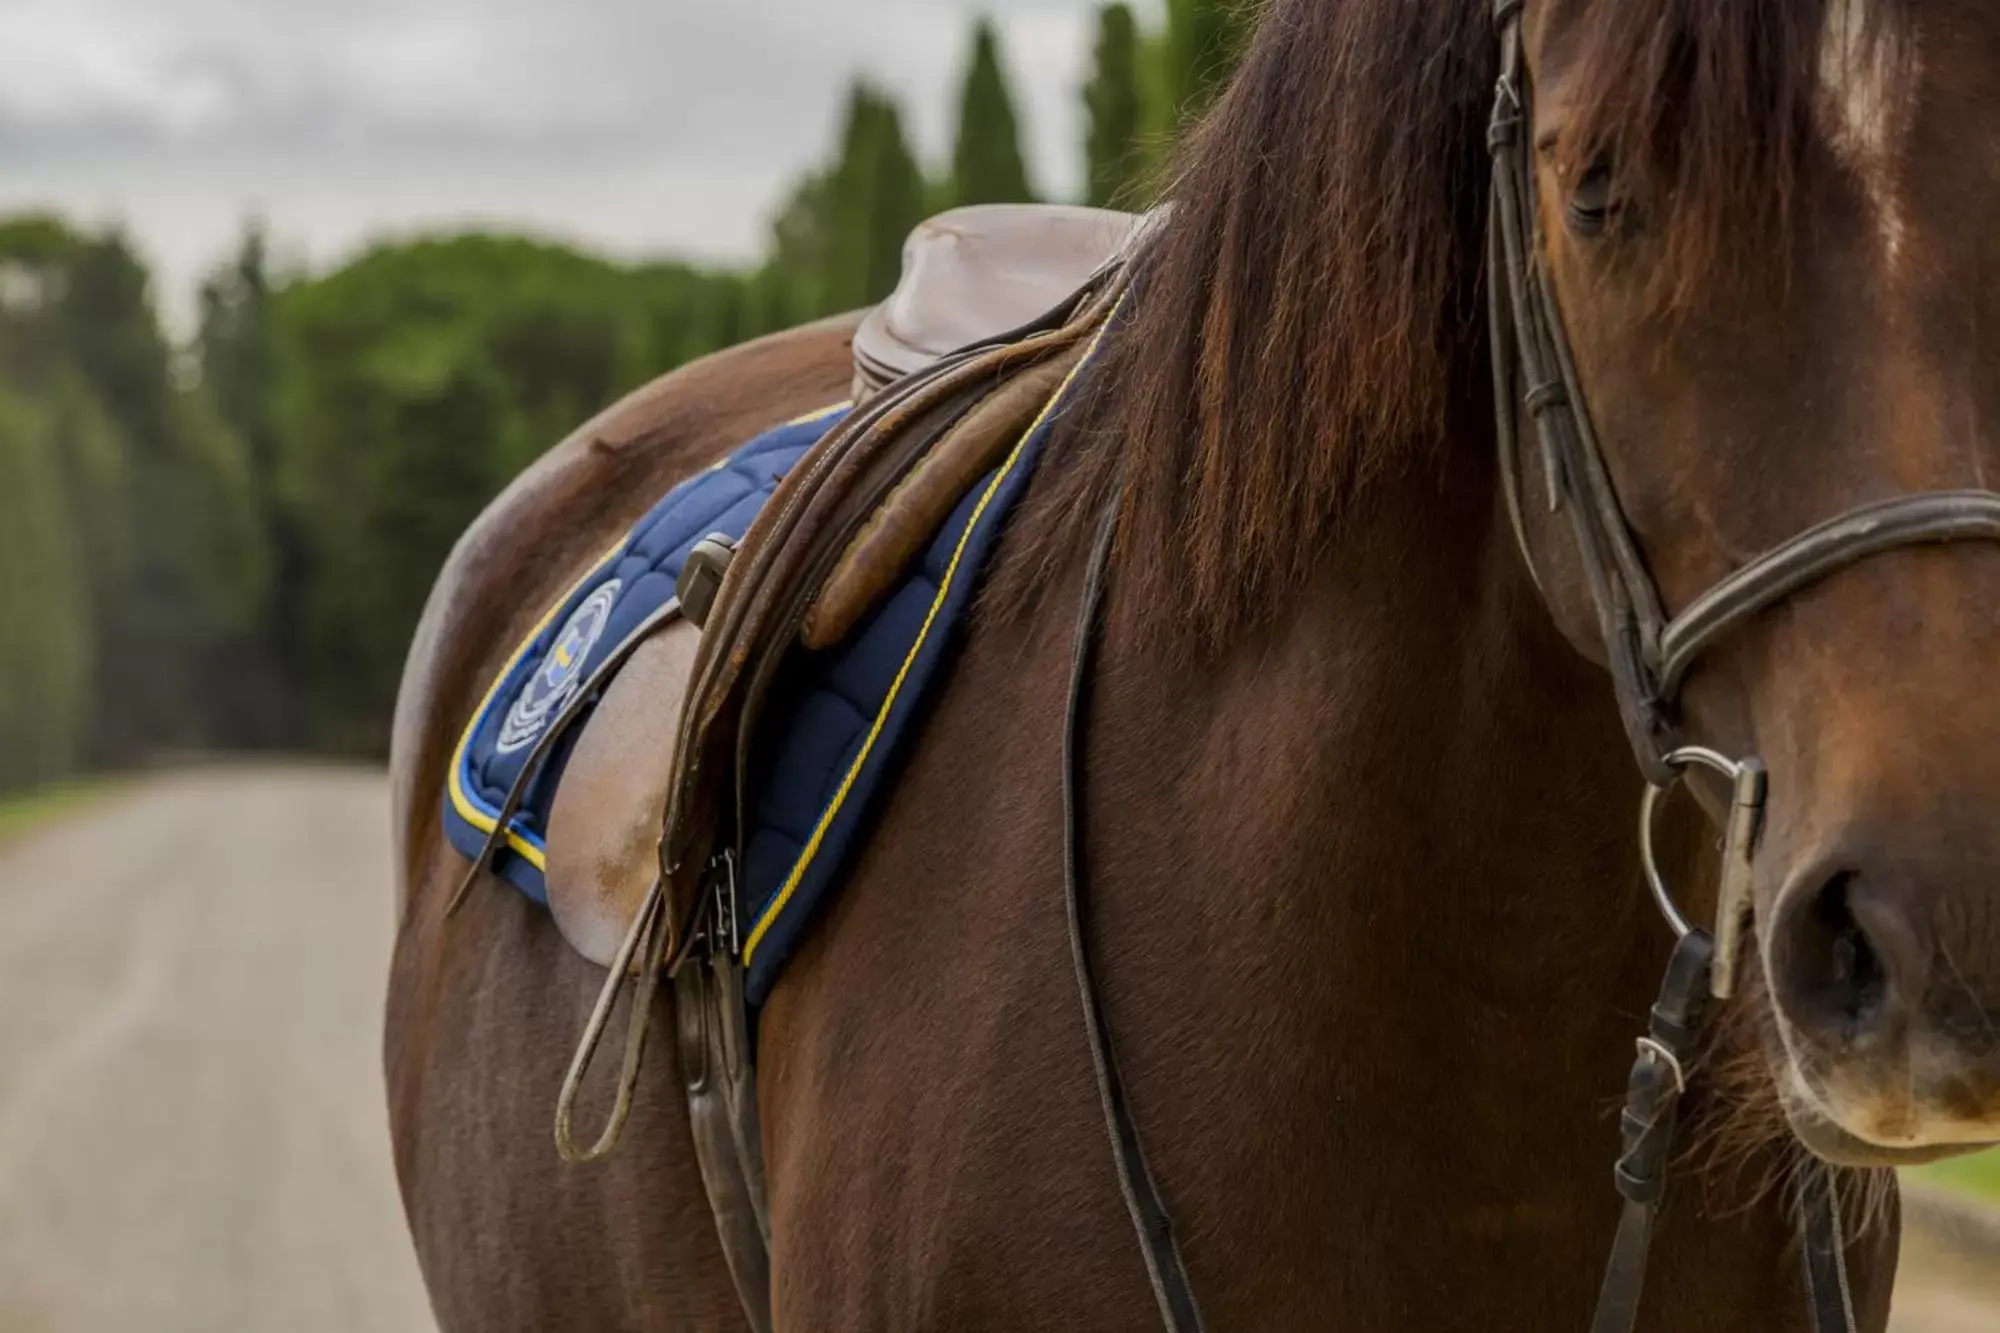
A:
[821,414]
[812,847]
[460,801]
[818,414]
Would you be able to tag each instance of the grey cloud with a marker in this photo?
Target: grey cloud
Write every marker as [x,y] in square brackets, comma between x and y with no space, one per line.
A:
[668,124]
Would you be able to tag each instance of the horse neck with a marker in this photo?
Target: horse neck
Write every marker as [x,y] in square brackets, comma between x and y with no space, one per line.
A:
[1395,866]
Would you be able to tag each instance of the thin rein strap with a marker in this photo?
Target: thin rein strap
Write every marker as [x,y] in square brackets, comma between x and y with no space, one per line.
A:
[1652,1112]
[1165,1271]
[646,941]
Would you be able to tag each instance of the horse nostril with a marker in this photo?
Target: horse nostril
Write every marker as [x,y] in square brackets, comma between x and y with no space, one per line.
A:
[1832,978]
[1859,982]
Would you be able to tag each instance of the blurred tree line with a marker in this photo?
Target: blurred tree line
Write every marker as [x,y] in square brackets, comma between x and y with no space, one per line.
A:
[226,545]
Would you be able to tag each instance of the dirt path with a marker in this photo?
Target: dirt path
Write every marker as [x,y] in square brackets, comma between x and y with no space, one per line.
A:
[191,1125]
[1949,1281]
[192,1134]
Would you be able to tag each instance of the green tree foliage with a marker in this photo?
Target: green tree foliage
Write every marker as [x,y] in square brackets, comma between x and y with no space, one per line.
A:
[197,564]
[154,487]
[791,287]
[45,630]
[1114,147]
[417,381]
[238,354]
[987,165]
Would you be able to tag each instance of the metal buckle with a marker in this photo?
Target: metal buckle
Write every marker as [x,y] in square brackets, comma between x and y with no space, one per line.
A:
[1749,785]
[1667,1060]
[722,912]
[710,930]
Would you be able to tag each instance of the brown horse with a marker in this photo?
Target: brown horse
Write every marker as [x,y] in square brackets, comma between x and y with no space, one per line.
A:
[1369,919]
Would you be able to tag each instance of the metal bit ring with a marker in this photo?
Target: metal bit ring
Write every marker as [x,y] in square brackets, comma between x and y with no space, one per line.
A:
[1748,784]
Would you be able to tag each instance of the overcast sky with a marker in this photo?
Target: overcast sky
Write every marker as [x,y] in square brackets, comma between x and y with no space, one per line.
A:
[640,126]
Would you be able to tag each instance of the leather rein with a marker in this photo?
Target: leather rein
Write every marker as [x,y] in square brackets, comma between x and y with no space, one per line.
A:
[1650,654]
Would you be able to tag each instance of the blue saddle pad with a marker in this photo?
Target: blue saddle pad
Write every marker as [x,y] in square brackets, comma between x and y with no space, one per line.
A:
[620,596]
[832,737]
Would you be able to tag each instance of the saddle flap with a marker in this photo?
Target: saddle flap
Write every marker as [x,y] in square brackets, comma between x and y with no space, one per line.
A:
[604,824]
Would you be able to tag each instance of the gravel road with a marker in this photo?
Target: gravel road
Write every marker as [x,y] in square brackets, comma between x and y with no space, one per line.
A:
[192,1132]
[191,1125]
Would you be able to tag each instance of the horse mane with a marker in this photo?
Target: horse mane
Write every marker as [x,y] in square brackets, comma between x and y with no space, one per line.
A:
[1313,307]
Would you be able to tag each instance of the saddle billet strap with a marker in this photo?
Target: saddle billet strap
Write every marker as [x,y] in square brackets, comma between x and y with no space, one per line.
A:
[720,1085]
[1150,1220]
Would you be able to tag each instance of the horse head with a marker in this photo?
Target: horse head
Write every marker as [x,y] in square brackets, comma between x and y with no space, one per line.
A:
[1773,252]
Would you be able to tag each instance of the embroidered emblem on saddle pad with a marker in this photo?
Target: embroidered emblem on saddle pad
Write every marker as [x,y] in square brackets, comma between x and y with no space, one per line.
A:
[832,734]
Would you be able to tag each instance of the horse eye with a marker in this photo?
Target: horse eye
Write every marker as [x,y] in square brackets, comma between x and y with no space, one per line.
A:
[1592,205]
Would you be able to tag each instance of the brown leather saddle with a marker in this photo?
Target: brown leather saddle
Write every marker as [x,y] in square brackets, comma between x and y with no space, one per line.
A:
[972,274]
[1014,283]
[996,309]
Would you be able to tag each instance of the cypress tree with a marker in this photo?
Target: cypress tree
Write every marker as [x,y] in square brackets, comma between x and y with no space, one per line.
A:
[1111,99]
[794,280]
[877,197]
[899,197]
[987,166]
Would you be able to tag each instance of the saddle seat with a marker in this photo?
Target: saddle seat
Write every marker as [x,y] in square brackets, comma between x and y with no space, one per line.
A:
[844,529]
[973,274]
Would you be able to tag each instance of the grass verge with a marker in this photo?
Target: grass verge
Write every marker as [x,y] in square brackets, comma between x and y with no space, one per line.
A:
[23,812]
[1978,1176]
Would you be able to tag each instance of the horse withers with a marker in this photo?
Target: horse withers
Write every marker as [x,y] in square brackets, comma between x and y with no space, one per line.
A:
[1377,650]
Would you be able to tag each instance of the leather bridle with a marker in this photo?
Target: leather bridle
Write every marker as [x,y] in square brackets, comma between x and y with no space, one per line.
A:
[1650,654]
